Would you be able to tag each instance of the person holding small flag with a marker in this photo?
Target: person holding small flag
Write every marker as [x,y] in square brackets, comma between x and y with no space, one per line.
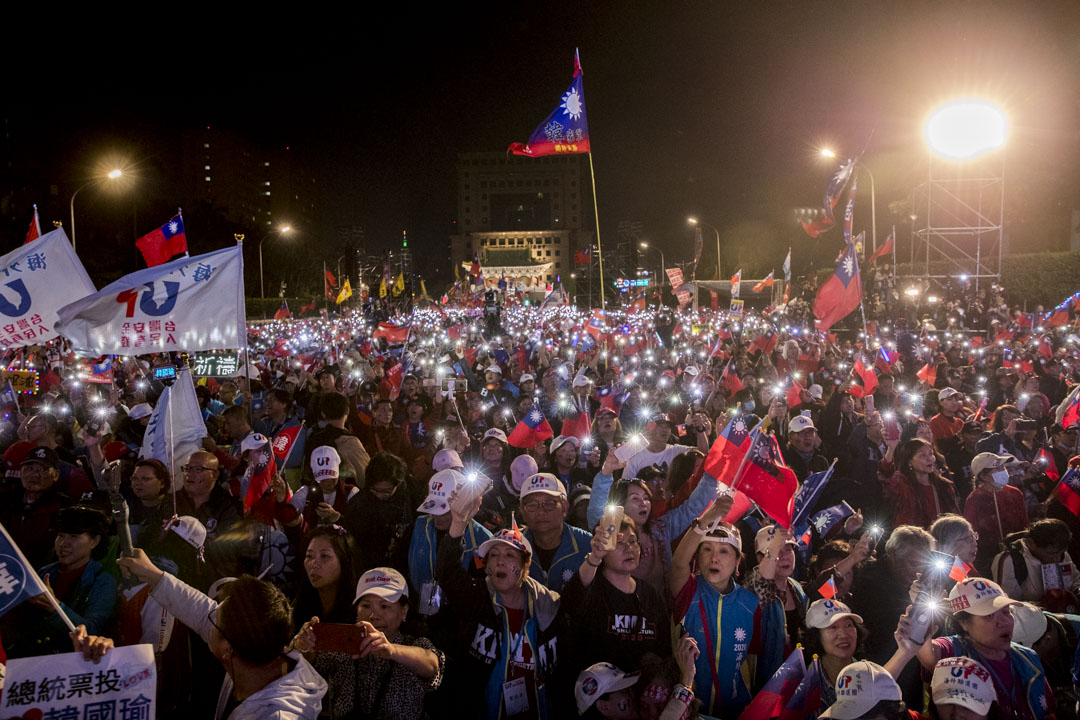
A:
[954,535]
[782,598]
[722,617]
[1036,561]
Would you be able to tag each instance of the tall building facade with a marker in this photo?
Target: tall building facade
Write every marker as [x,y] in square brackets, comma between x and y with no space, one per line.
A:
[517,211]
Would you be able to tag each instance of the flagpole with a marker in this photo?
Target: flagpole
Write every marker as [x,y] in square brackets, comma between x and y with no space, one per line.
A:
[894,256]
[596,214]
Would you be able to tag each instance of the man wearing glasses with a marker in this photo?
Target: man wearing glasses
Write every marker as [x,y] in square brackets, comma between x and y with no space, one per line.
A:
[209,503]
[558,548]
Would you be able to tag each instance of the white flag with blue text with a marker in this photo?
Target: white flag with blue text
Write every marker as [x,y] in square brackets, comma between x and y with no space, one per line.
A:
[183,422]
[37,280]
[189,304]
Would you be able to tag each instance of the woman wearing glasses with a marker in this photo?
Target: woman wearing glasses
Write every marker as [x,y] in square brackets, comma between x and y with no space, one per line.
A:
[722,617]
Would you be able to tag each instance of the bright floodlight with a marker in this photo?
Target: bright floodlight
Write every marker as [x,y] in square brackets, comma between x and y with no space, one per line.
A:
[286,228]
[826,152]
[964,129]
[645,245]
[113,174]
[692,220]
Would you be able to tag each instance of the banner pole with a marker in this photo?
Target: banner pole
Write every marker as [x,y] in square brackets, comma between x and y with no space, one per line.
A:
[596,214]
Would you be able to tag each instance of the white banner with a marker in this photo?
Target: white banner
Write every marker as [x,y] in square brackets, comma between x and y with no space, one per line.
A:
[122,686]
[187,427]
[189,304]
[35,282]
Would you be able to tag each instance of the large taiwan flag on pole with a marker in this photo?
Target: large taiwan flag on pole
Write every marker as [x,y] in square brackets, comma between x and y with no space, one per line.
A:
[162,244]
[841,293]
[565,130]
[187,305]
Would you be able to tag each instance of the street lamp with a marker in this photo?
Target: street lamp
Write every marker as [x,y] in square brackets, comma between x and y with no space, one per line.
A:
[964,129]
[828,153]
[284,229]
[112,175]
[663,271]
[695,221]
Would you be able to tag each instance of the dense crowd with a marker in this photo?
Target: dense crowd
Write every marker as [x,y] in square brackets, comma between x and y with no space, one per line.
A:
[515,518]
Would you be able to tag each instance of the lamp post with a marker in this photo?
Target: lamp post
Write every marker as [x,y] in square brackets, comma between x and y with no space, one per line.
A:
[112,175]
[663,272]
[695,221]
[280,231]
[827,153]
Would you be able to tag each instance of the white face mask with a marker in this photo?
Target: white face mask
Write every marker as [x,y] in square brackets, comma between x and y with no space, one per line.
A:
[1000,477]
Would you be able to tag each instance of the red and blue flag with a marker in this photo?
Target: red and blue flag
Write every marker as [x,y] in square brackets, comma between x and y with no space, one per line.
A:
[164,243]
[776,692]
[841,293]
[565,130]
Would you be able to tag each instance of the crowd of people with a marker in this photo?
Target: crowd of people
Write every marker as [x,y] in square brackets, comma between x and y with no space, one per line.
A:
[525,525]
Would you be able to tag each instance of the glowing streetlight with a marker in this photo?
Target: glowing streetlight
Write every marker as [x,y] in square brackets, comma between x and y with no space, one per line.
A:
[663,273]
[695,221]
[964,129]
[283,230]
[826,152]
[111,175]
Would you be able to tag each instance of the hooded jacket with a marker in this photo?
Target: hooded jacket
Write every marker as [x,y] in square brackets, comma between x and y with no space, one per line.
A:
[482,641]
[297,694]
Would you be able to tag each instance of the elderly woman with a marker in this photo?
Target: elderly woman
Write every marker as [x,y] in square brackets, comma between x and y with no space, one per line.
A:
[391,671]
[507,624]
[917,491]
[836,635]
[994,508]
[1031,557]
[782,599]
[954,535]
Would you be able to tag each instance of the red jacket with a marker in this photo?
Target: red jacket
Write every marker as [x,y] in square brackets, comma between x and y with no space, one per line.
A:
[915,504]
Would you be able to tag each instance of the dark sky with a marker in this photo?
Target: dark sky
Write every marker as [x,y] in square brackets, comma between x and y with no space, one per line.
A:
[693,107]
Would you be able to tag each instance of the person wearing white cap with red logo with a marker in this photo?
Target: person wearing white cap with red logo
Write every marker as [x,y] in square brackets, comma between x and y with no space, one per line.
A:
[835,634]
[391,672]
[983,613]
[723,618]
[430,528]
[961,689]
[324,500]
[604,690]
[508,624]
[559,548]
[866,691]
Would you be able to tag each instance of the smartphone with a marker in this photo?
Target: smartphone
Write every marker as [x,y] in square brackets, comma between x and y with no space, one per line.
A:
[338,637]
[1025,425]
[629,449]
[868,403]
[611,522]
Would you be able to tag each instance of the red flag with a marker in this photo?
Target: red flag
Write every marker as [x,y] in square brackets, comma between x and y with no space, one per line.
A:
[776,692]
[284,441]
[260,473]
[729,380]
[767,282]
[639,304]
[164,243]
[329,284]
[767,480]
[578,427]
[959,570]
[841,293]
[794,394]
[1067,491]
[728,450]
[307,308]
[739,507]
[828,589]
[1059,318]
[532,430]
[35,230]
[866,375]
[736,283]
[394,376]
[928,374]
[394,334]
[805,702]
[764,342]
[283,311]
[714,300]
[885,249]
[1046,349]
[1045,461]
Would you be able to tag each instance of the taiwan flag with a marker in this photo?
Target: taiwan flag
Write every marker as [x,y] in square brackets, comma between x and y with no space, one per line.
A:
[1068,411]
[164,243]
[776,692]
[805,702]
[283,442]
[611,399]
[1067,491]
[767,480]
[597,323]
[394,334]
[531,431]
[729,380]
[730,447]
[841,293]
[565,130]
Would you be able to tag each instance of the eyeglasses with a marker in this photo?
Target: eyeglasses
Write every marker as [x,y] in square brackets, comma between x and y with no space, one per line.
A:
[211,617]
[547,505]
[192,469]
[628,544]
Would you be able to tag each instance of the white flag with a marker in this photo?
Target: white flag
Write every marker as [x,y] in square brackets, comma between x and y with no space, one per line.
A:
[787,267]
[188,304]
[35,282]
[183,422]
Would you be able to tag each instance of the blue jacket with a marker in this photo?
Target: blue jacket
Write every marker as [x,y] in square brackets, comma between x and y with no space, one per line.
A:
[1027,672]
[573,547]
[92,602]
[423,549]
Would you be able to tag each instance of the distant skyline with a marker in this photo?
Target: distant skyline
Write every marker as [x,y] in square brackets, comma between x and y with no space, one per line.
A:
[713,109]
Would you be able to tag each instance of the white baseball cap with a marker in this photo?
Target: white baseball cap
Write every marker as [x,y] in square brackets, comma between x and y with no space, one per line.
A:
[494,368]
[561,440]
[527,377]
[140,411]
[859,687]
[440,487]
[823,613]
[978,596]
[948,393]
[253,441]
[690,370]
[724,533]
[325,462]
[545,483]
[989,461]
[190,530]
[1029,624]
[446,459]
[598,680]
[962,681]
[506,536]
[523,467]
[800,423]
[581,381]
[494,433]
[386,583]
[766,535]
[815,391]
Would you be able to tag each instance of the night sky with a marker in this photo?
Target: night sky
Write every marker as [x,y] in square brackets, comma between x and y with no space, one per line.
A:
[716,109]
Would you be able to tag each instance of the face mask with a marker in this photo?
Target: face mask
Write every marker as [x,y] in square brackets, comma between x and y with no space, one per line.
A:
[1000,477]
[749,406]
